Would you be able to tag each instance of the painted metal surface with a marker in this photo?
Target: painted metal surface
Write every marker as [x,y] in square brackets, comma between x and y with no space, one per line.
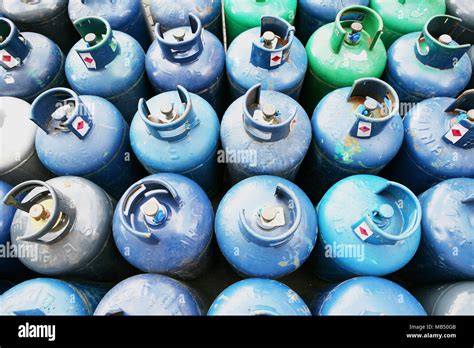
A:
[448,299]
[378,235]
[270,55]
[266,227]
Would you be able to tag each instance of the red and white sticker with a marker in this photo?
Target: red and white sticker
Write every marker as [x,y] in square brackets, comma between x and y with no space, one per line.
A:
[363,231]
[81,126]
[276,58]
[364,129]
[8,59]
[88,60]
[456,133]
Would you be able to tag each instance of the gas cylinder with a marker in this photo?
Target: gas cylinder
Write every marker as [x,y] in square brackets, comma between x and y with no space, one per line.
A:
[401,17]
[257,296]
[448,299]
[163,224]
[108,64]
[343,51]
[150,294]
[270,55]
[266,227]
[45,17]
[264,132]
[446,252]
[47,296]
[371,296]
[313,14]
[430,63]
[241,15]
[356,130]
[18,161]
[377,235]
[127,16]
[188,56]
[173,13]
[185,129]
[84,136]
[438,143]
[24,70]
[64,228]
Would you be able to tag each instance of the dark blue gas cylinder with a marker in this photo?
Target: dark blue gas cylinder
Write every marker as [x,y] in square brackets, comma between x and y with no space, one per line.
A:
[257,296]
[446,252]
[30,63]
[188,56]
[174,13]
[371,296]
[264,132]
[127,16]
[447,299]
[150,294]
[438,143]
[47,296]
[367,226]
[45,17]
[313,14]
[430,63]
[178,132]
[270,55]
[266,227]
[84,136]
[164,224]
[108,64]
[356,130]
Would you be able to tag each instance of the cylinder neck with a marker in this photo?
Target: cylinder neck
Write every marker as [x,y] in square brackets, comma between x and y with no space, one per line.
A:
[461,132]
[14,48]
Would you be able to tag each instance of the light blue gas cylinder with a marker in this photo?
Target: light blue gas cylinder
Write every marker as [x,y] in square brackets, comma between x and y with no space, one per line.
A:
[178,132]
[438,143]
[188,56]
[371,296]
[127,16]
[356,130]
[367,226]
[430,63]
[270,55]
[164,224]
[447,299]
[266,227]
[264,132]
[84,136]
[150,294]
[30,63]
[108,64]
[256,297]
[47,296]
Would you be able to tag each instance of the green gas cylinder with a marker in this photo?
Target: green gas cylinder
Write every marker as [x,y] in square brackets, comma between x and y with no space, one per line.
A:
[401,17]
[241,15]
[343,51]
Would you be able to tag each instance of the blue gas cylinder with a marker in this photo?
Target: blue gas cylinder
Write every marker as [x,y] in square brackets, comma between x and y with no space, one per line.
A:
[377,235]
[178,132]
[430,63]
[108,64]
[438,143]
[47,296]
[30,63]
[173,13]
[266,227]
[264,132]
[188,56]
[256,296]
[84,136]
[365,296]
[164,224]
[150,294]
[313,14]
[447,299]
[446,252]
[127,16]
[270,55]
[356,130]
